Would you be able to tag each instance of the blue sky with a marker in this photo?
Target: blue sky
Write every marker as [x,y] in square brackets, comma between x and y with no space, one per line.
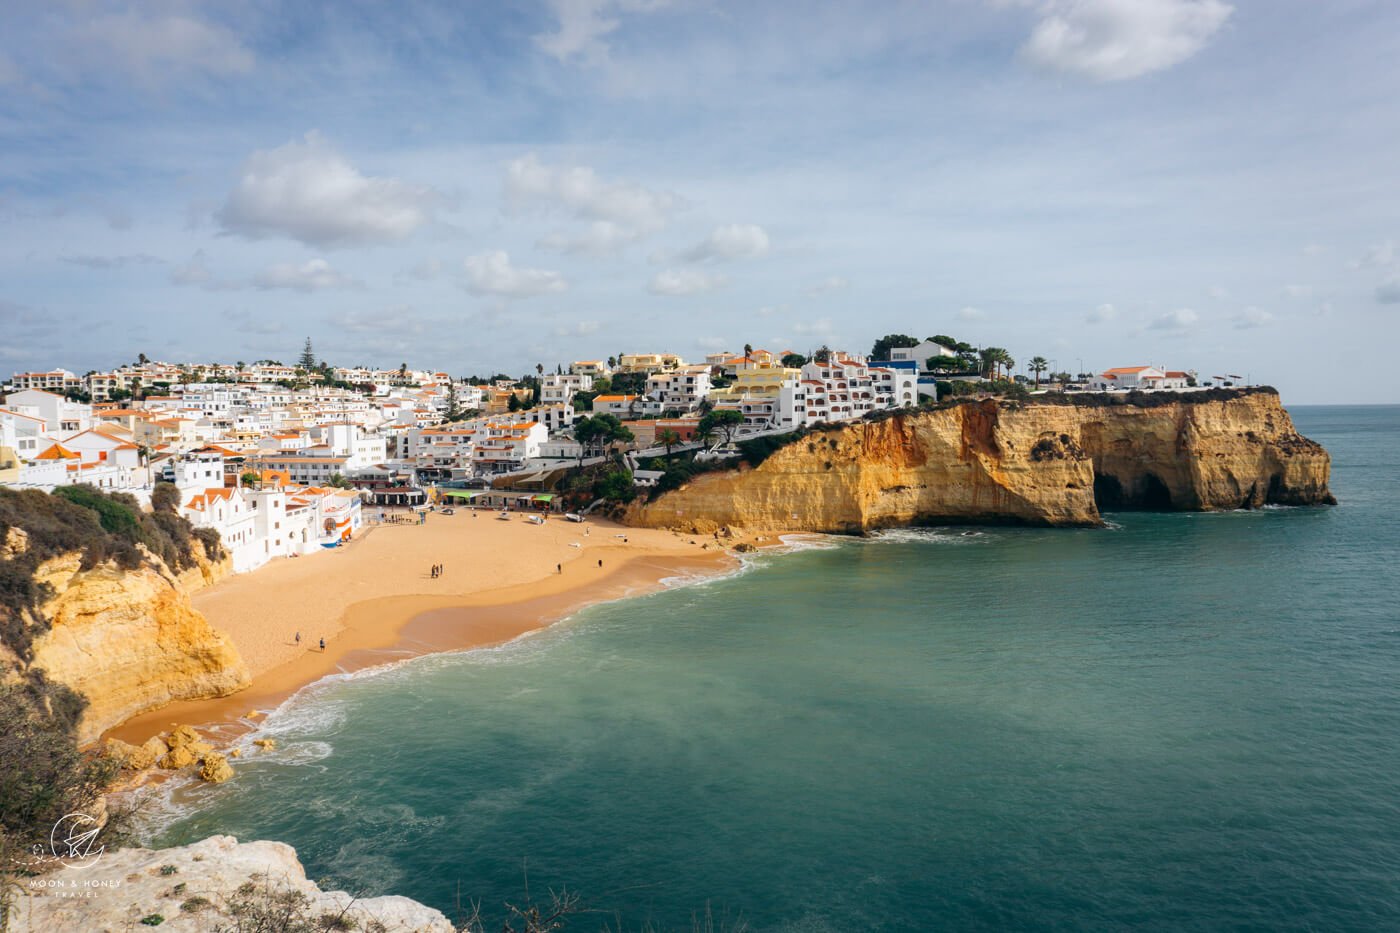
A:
[480,186]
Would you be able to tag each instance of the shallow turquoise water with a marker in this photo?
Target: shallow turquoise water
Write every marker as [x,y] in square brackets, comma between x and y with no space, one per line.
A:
[1183,722]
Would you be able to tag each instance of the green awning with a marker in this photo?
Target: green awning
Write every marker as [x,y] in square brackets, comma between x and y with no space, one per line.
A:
[458,493]
[545,497]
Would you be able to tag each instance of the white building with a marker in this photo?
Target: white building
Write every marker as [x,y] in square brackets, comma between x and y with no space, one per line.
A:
[1141,377]
[503,447]
[556,389]
[918,354]
[60,416]
[682,389]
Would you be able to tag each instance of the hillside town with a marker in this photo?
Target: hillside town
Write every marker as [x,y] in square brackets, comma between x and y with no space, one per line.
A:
[282,460]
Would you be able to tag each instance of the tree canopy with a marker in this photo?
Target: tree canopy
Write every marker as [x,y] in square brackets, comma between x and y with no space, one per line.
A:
[881,350]
[721,420]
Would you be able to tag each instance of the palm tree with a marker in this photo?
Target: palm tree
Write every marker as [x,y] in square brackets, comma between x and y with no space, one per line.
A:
[668,439]
[612,362]
[988,360]
[748,350]
[539,369]
[993,359]
[1038,365]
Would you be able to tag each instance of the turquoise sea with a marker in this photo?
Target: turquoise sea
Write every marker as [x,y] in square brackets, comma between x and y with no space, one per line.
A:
[1183,722]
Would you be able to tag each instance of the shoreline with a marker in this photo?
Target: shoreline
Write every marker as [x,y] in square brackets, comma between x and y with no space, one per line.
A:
[402,621]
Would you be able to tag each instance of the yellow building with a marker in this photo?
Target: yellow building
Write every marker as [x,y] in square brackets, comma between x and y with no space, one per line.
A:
[648,362]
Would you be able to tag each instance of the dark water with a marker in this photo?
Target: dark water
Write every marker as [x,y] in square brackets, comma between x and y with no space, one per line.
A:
[1185,722]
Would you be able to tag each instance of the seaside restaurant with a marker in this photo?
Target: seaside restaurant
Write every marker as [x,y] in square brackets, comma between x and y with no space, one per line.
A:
[500,499]
[402,496]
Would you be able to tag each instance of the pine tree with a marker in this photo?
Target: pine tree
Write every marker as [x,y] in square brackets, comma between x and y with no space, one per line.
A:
[308,357]
[454,411]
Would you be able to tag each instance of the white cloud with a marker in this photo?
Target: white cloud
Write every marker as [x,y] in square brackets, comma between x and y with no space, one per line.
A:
[246,323]
[196,272]
[821,327]
[1297,291]
[577,329]
[1101,314]
[112,262]
[425,271]
[620,211]
[685,282]
[309,192]
[731,241]
[492,274]
[971,314]
[154,48]
[1114,40]
[602,238]
[584,24]
[826,286]
[1382,254]
[1388,292]
[372,322]
[1178,320]
[312,275]
[1252,317]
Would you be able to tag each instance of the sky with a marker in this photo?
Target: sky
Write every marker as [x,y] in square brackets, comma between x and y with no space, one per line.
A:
[480,187]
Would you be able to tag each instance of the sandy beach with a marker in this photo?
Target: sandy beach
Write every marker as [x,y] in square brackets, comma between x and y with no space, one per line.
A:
[376,600]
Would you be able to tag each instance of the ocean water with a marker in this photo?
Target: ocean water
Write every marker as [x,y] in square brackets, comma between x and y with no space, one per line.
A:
[1180,722]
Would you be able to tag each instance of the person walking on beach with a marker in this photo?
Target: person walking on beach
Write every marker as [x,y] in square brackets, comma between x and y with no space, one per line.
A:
[323,644]
[298,637]
[600,563]
[558,568]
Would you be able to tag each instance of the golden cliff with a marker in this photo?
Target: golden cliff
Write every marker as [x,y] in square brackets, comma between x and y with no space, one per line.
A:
[1049,461]
[129,640]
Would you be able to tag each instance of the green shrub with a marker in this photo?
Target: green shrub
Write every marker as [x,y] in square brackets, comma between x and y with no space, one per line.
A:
[100,527]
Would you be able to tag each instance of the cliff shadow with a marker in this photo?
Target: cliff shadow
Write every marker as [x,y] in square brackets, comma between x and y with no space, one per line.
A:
[1147,494]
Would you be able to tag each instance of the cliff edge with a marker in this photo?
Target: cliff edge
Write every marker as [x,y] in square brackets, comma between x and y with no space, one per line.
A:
[1054,460]
[95,596]
[130,641]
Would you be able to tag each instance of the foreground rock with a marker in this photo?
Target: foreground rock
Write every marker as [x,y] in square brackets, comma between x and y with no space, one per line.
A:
[1050,461]
[204,886]
[182,748]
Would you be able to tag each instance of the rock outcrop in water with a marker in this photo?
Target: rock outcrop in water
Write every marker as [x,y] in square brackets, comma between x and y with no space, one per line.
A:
[129,640]
[212,884]
[1054,460]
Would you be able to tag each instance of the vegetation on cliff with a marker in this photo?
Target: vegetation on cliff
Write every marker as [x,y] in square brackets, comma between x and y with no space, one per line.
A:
[43,774]
[37,526]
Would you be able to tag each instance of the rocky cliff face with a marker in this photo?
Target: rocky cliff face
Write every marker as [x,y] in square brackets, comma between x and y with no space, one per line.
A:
[130,641]
[1053,462]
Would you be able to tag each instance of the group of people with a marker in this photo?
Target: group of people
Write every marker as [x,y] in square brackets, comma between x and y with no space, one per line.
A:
[323,641]
[437,571]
